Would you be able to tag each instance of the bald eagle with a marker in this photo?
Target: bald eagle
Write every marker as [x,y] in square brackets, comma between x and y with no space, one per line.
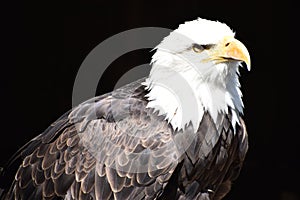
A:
[176,134]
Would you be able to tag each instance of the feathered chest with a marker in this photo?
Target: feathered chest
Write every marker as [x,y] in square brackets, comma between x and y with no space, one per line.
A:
[214,156]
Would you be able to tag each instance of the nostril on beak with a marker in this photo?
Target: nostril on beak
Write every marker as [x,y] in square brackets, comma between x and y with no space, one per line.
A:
[227,44]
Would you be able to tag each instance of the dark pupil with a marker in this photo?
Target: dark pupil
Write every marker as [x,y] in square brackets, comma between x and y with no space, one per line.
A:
[207,46]
[203,46]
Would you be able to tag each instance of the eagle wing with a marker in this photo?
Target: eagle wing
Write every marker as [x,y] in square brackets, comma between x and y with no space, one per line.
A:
[111,146]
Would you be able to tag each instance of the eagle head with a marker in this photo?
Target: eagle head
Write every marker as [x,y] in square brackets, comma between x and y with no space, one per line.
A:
[195,70]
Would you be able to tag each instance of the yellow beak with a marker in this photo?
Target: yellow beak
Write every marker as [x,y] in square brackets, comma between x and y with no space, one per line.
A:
[230,49]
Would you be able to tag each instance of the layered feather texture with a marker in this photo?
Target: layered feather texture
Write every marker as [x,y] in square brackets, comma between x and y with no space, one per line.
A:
[113,147]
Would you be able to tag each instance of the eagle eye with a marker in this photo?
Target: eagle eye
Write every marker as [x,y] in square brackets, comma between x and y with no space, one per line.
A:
[199,48]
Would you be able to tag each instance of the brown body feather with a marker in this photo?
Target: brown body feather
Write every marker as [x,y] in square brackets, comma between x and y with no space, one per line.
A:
[101,149]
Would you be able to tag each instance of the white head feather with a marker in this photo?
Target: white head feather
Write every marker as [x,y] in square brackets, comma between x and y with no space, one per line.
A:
[184,84]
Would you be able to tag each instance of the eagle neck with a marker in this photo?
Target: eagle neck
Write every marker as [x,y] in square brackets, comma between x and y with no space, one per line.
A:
[184,98]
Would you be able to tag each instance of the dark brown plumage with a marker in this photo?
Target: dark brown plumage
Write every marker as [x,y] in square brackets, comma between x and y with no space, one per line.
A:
[100,150]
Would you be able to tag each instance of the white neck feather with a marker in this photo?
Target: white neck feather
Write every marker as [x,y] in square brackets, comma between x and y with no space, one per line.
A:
[184,93]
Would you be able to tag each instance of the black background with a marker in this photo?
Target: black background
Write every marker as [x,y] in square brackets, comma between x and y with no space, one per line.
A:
[44,44]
